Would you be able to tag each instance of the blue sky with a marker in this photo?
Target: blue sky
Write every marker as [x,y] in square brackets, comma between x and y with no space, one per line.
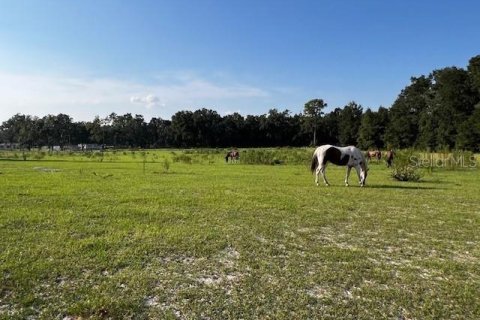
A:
[87,58]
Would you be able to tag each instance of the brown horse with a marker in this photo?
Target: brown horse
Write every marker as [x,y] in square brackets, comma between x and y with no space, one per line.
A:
[389,157]
[373,154]
[234,155]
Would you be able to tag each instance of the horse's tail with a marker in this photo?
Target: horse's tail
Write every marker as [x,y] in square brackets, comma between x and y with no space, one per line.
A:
[314,164]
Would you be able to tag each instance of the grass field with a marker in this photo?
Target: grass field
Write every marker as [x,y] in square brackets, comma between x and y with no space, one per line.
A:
[133,235]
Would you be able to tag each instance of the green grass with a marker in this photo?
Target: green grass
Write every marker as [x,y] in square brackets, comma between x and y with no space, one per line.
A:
[124,237]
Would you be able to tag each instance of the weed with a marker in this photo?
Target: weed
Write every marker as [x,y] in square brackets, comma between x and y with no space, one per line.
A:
[166,165]
[183,158]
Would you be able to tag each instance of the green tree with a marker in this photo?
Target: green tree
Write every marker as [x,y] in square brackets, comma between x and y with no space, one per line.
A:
[79,133]
[468,137]
[427,126]
[139,129]
[372,129]
[183,129]
[206,125]
[349,123]
[329,126]
[159,132]
[277,127]
[474,73]
[126,130]
[56,130]
[402,130]
[233,128]
[63,127]
[254,137]
[453,102]
[313,113]
[21,129]
[383,118]
[96,130]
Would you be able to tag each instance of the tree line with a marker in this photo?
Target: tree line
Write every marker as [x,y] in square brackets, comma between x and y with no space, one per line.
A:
[434,112]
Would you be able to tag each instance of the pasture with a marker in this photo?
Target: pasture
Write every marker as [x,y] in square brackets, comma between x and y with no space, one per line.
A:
[165,235]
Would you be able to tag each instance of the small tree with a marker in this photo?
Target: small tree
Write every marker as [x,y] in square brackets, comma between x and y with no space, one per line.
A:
[313,113]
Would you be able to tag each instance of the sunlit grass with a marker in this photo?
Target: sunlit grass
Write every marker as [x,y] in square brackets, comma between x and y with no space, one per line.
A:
[124,237]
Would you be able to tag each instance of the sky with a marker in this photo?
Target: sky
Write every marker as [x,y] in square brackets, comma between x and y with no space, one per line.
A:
[93,57]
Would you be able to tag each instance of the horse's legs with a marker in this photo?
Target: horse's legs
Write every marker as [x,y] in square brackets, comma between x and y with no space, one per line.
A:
[358,174]
[322,171]
[347,175]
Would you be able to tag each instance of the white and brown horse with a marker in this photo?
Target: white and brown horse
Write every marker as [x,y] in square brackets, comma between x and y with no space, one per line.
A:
[376,154]
[234,155]
[350,156]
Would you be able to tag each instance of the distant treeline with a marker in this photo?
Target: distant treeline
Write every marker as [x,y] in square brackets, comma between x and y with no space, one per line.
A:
[435,112]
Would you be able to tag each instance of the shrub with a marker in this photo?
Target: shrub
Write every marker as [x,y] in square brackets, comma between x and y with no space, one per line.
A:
[166,165]
[406,173]
[39,155]
[404,169]
[276,156]
[276,161]
[182,158]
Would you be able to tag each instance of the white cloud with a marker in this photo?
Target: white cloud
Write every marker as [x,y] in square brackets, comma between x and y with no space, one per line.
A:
[135,99]
[83,98]
[151,99]
[148,101]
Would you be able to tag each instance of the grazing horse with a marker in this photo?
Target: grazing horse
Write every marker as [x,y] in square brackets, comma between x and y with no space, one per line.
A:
[350,156]
[389,157]
[374,154]
[234,155]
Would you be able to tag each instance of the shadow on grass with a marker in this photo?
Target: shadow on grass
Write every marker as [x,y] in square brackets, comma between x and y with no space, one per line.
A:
[169,173]
[390,186]
[383,186]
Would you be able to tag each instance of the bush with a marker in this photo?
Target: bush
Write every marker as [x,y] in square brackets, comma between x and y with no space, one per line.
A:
[39,155]
[276,156]
[166,165]
[404,169]
[406,173]
[182,158]
[276,161]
